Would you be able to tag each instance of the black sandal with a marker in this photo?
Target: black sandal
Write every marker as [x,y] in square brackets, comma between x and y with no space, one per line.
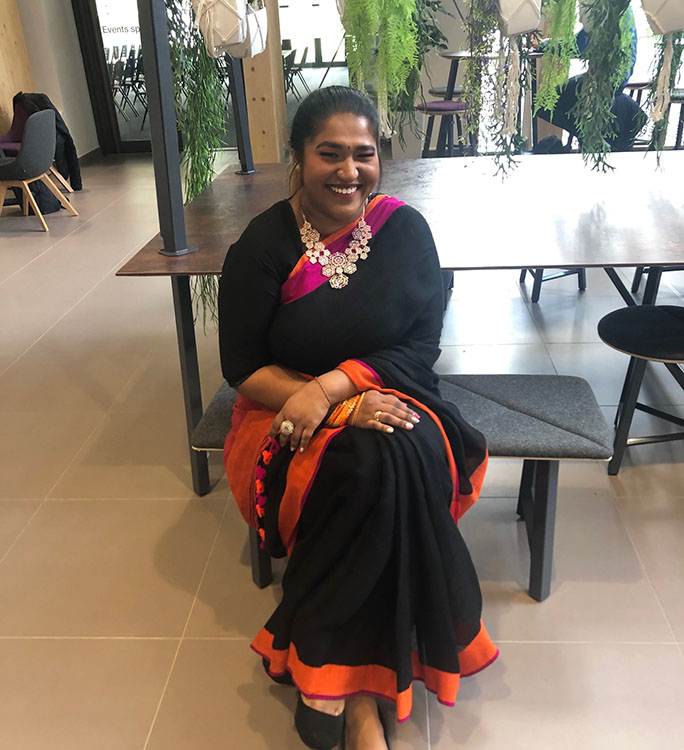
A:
[317,729]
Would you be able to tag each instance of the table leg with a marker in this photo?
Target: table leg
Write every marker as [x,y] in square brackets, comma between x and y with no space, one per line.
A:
[652,285]
[192,394]
[448,96]
[620,286]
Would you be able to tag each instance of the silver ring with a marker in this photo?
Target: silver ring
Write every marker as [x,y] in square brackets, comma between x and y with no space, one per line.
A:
[286,428]
[377,415]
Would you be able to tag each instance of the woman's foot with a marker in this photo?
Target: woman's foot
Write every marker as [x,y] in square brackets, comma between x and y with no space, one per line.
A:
[334,708]
[363,728]
[319,723]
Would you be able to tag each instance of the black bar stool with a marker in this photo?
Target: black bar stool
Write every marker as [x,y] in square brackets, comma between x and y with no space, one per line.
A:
[648,333]
[450,110]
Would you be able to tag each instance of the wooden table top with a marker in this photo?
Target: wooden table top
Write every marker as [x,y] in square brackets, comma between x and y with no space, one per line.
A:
[552,212]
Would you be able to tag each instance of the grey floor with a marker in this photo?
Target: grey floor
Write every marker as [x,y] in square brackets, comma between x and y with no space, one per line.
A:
[127,605]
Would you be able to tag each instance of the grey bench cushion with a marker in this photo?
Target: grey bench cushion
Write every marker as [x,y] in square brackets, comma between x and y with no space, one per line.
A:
[532,416]
[210,433]
[525,416]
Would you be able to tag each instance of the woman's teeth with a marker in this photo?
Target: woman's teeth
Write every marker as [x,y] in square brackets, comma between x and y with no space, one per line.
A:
[343,191]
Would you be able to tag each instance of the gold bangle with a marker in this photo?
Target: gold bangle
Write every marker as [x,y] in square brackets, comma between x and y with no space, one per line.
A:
[322,387]
[355,415]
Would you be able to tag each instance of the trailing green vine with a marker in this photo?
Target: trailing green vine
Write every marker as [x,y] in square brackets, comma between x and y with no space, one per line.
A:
[559,49]
[428,37]
[660,126]
[606,55]
[201,116]
[382,49]
[480,26]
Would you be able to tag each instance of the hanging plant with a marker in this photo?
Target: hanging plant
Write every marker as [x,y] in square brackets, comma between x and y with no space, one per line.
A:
[382,49]
[517,19]
[559,50]
[609,59]
[669,54]
[428,37]
[480,26]
[200,114]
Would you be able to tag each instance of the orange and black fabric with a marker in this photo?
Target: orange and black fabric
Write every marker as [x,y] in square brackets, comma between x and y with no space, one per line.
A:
[379,589]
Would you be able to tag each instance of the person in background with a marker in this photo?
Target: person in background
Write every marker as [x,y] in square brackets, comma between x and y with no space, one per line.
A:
[629,118]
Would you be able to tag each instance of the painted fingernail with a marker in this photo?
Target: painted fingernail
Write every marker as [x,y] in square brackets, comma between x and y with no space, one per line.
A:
[409,425]
[301,450]
[416,418]
[390,429]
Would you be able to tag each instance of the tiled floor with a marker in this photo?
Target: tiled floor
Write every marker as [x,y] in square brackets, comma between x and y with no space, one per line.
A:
[126,602]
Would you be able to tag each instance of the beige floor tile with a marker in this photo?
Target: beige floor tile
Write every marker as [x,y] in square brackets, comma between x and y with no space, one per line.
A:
[158,386]
[57,382]
[80,695]
[503,320]
[568,696]
[654,470]
[656,525]
[37,448]
[229,604]
[108,568]
[599,591]
[219,698]
[494,359]
[14,515]
[605,369]
[133,455]
[565,318]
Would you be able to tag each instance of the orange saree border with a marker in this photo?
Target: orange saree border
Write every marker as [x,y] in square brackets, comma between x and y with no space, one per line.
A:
[341,681]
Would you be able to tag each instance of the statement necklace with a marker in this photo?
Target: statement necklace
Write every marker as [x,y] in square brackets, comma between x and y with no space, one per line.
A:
[338,267]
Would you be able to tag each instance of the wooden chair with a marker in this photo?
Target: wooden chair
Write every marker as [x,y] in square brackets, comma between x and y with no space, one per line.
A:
[33,163]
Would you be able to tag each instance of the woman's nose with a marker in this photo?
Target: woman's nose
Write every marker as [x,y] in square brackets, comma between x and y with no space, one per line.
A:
[348,171]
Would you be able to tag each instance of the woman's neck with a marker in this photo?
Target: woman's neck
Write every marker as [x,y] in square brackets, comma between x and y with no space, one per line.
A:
[320,221]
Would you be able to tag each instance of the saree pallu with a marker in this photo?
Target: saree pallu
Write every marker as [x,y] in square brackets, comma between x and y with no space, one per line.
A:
[379,588]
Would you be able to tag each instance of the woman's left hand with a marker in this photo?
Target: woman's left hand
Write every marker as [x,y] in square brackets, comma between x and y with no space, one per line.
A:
[305,410]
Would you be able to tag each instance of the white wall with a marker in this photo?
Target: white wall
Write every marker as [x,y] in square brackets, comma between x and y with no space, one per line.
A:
[55,56]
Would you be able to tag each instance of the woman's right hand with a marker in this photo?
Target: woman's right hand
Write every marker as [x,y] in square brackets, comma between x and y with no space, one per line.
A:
[384,412]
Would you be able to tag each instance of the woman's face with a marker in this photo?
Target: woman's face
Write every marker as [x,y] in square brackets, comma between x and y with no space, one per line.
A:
[340,169]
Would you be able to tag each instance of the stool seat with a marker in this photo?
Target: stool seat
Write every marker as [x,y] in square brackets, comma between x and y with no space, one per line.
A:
[443,107]
[636,85]
[10,148]
[677,95]
[653,332]
[441,91]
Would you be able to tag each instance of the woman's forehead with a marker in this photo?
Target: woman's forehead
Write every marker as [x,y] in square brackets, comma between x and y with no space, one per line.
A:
[345,128]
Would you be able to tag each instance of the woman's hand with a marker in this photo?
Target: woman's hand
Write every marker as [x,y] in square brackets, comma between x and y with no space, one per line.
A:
[382,411]
[305,409]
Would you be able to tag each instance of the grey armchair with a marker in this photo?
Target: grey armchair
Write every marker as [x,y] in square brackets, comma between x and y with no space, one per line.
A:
[33,163]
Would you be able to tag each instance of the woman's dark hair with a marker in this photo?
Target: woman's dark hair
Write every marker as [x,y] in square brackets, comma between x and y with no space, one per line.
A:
[321,104]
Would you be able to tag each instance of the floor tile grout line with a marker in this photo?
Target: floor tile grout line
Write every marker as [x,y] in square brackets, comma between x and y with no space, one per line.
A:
[66,237]
[66,312]
[187,624]
[616,505]
[427,719]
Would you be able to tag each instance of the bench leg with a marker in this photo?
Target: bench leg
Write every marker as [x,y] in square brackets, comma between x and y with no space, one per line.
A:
[538,501]
[262,574]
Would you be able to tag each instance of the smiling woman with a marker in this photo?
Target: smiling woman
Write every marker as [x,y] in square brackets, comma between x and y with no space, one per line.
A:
[342,453]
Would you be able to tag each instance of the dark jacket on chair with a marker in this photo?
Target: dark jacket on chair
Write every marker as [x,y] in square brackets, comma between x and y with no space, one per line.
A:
[66,157]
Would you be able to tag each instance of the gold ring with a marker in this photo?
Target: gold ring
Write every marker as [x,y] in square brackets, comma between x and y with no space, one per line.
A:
[286,428]
[377,415]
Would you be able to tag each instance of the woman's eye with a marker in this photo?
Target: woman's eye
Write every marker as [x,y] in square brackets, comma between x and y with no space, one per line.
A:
[328,154]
